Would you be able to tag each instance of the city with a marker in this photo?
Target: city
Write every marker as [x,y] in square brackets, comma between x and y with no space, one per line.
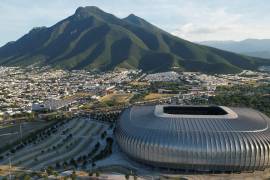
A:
[134,90]
[41,105]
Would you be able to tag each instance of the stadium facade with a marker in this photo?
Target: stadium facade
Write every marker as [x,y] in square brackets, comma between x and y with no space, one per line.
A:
[198,138]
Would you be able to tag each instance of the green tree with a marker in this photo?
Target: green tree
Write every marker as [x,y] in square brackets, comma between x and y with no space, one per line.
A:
[90,173]
[26,177]
[73,175]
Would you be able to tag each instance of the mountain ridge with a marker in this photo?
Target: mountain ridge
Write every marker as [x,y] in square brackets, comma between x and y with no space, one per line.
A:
[95,40]
[250,47]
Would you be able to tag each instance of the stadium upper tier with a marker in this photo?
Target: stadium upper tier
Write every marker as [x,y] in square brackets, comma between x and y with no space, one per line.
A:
[203,138]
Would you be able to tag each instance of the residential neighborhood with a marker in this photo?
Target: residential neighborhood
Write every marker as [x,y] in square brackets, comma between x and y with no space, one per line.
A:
[27,90]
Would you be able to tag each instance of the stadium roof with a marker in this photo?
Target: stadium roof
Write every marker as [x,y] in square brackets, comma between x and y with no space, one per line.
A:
[213,138]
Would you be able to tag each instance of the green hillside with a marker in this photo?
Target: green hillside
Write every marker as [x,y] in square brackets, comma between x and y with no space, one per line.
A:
[95,40]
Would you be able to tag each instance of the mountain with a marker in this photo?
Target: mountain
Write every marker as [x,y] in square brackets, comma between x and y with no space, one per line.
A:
[95,40]
[250,47]
[260,54]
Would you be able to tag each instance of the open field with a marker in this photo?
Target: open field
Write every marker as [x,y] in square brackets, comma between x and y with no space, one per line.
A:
[155,96]
[117,98]
[139,83]
[60,147]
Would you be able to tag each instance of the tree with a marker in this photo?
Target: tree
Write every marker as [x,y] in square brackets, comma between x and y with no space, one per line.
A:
[90,173]
[103,135]
[65,164]
[84,163]
[26,177]
[50,170]
[73,162]
[57,165]
[73,175]
[55,173]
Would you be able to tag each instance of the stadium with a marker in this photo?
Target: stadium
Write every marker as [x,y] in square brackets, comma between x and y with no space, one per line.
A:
[195,138]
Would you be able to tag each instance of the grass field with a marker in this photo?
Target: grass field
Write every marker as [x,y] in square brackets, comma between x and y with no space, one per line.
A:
[155,96]
[138,83]
[116,98]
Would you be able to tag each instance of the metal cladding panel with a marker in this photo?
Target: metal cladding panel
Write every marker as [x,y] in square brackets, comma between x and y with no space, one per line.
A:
[237,144]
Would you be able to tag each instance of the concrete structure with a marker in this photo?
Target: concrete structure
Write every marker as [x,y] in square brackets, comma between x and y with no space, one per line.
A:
[205,138]
[51,104]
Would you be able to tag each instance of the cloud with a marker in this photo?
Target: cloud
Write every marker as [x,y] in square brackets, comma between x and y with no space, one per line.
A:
[205,23]
[226,32]
[190,29]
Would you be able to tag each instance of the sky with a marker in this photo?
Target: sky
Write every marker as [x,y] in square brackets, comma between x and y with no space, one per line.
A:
[194,20]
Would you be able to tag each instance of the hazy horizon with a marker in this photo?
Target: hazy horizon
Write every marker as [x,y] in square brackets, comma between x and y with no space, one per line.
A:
[192,20]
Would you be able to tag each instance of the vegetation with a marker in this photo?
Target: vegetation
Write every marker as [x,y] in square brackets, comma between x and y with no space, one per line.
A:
[33,137]
[106,151]
[73,175]
[49,150]
[110,116]
[138,97]
[245,96]
[115,99]
[173,86]
[154,96]
[104,42]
